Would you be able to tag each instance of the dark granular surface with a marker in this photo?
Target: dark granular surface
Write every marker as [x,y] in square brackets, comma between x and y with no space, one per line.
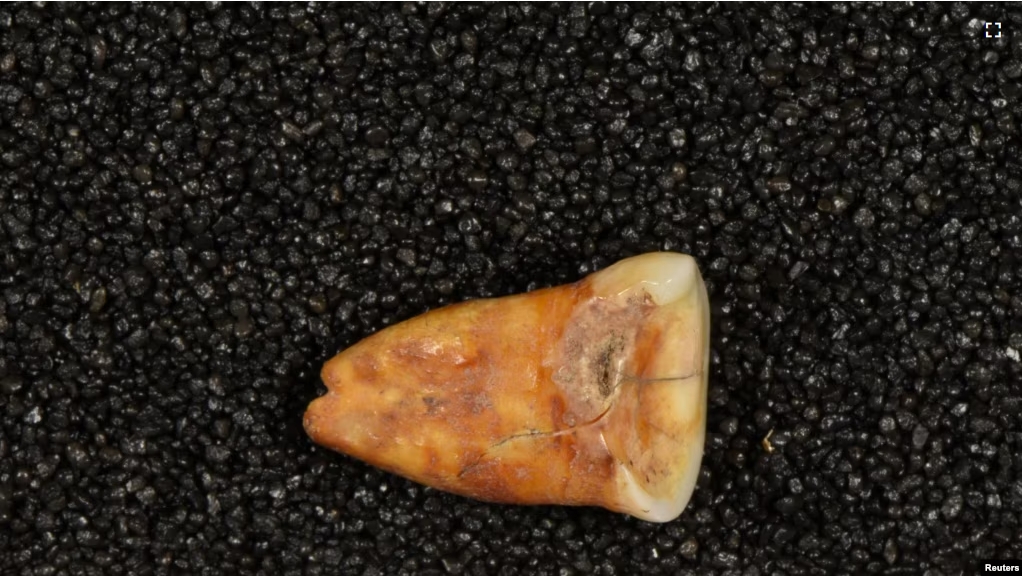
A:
[200,204]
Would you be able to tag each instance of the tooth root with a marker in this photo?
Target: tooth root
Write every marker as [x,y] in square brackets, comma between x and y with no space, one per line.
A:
[592,393]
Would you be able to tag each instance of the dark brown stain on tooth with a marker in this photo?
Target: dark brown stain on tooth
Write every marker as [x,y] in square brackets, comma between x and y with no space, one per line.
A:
[604,369]
[433,405]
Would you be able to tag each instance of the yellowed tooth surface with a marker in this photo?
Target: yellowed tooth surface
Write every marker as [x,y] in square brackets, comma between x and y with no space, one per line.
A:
[591,393]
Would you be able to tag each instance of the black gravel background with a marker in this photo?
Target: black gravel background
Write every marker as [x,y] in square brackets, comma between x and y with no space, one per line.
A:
[200,204]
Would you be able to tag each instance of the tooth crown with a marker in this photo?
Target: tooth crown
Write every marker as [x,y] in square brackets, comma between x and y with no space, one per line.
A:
[592,393]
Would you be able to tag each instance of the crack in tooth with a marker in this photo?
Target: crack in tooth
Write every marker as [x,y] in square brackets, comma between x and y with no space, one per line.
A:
[577,427]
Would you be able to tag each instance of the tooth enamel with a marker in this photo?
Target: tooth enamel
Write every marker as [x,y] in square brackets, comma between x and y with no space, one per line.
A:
[592,393]
[666,276]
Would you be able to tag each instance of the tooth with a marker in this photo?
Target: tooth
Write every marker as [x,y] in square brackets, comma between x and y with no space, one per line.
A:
[591,393]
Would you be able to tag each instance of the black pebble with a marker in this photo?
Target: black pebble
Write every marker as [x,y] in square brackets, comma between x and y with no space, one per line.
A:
[824,146]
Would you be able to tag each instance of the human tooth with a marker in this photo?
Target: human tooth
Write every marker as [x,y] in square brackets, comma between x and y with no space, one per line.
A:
[591,393]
